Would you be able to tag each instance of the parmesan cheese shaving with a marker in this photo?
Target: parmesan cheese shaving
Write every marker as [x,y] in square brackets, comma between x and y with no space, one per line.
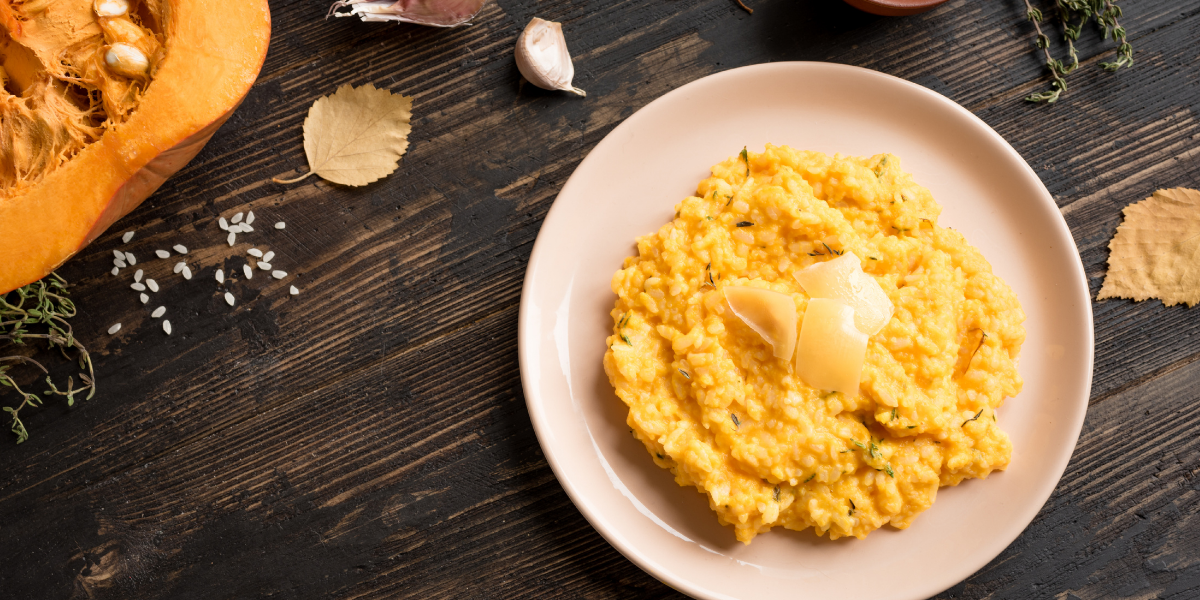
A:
[770,314]
[843,279]
[829,355]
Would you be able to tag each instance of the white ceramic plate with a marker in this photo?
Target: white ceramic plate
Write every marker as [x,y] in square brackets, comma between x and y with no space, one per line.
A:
[629,185]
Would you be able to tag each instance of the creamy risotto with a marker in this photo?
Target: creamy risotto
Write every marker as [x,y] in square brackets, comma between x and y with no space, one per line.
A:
[713,403]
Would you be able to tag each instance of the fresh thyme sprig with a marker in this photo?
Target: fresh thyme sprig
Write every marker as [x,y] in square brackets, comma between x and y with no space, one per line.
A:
[1072,15]
[43,305]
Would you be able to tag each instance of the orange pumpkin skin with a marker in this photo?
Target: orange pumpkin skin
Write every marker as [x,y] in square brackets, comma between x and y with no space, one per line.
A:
[215,51]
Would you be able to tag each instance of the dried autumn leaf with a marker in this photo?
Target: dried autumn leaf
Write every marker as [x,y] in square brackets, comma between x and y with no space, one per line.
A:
[356,136]
[1156,251]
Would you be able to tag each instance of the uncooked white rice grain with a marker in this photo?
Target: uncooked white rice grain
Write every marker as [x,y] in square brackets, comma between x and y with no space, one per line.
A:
[255,252]
[139,287]
[266,266]
[180,248]
[120,263]
[120,255]
[187,273]
[280,225]
[144,298]
[128,236]
[236,218]
[158,312]
[248,271]
[179,266]
[268,256]
[116,270]
[232,238]
[130,259]
[294,291]
[137,276]
[229,298]
[114,329]
[153,285]
[163,253]
[278,274]
[220,276]
[167,327]
[223,224]
[249,217]
[246,228]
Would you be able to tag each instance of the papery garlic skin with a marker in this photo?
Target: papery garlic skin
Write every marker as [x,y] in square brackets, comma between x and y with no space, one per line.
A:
[435,13]
[543,59]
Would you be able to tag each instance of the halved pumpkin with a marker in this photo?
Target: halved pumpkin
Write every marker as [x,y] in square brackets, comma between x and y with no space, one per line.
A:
[86,135]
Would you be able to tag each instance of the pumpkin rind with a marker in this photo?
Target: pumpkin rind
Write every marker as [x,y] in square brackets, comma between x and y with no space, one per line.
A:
[215,51]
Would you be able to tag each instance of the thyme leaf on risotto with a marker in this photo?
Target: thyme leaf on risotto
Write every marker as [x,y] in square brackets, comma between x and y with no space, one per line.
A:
[776,495]
[852,508]
[810,478]
[745,224]
[45,306]
[745,159]
[684,373]
[974,417]
[736,422]
[625,338]
[888,469]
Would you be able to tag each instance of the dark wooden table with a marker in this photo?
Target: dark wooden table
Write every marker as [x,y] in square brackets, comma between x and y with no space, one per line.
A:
[369,439]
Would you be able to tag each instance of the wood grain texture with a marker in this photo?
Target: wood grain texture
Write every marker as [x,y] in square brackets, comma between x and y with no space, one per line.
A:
[369,439]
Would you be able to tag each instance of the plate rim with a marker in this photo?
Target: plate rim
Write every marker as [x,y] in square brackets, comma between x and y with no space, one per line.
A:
[525,327]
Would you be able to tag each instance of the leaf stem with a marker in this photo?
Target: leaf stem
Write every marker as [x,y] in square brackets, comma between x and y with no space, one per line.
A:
[300,178]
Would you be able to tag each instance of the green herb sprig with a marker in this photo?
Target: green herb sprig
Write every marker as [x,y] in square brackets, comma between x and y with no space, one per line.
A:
[1072,16]
[39,311]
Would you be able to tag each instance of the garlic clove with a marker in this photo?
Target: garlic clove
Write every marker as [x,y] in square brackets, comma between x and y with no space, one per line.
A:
[126,60]
[435,13]
[110,8]
[543,59]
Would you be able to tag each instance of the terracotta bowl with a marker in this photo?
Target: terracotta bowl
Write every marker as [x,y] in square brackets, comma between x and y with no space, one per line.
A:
[894,8]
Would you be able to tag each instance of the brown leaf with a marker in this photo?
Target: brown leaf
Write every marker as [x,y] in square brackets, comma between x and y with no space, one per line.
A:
[357,135]
[1156,251]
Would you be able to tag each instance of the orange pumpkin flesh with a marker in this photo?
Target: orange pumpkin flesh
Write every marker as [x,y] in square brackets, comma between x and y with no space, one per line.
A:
[213,52]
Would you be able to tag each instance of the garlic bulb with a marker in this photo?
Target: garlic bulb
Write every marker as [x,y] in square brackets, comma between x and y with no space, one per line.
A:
[437,13]
[543,59]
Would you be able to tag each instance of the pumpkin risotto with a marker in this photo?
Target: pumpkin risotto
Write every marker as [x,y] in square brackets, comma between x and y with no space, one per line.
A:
[713,403]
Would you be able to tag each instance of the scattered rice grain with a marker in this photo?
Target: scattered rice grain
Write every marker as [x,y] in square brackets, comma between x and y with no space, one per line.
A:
[114,329]
[280,225]
[248,271]
[180,248]
[116,270]
[179,266]
[232,238]
[223,224]
[120,263]
[294,291]
[163,253]
[236,218]
[229,298]
[278,274]
[139,287]
[130,259]
[220,276]
[246,228]
[268,256]
[144,298]
[255,252]
[120,255]
[187,273]
[266,266]
[153,285]
[249,217]
[137,276]
[158,312]
[167,327]
[128,236]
